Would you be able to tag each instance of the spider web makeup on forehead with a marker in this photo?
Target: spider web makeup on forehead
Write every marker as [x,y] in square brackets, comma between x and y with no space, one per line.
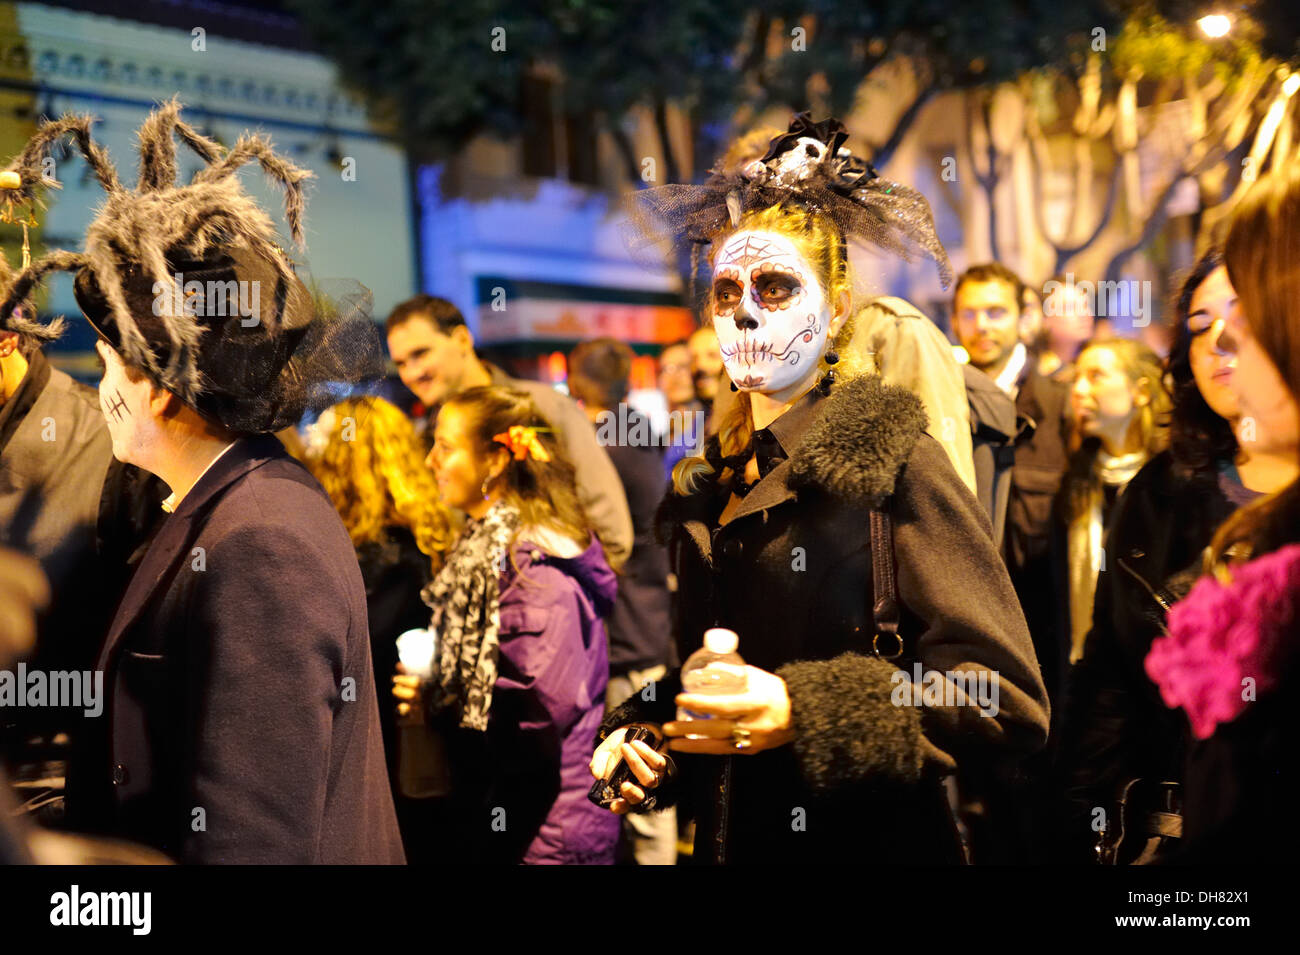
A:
[807,167]
[752,251]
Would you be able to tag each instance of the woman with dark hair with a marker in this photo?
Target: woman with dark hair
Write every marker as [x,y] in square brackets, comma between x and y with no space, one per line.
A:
[1117,730]
[1229,659]
[519,688]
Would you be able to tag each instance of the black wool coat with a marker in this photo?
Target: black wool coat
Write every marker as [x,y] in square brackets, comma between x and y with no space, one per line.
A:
[1034,546]
[241,722]
[790,572]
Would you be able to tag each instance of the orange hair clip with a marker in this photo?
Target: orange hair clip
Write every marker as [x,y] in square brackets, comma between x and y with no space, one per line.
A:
[522,441]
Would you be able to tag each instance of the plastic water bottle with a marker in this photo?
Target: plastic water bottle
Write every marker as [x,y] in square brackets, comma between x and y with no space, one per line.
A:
[715,669]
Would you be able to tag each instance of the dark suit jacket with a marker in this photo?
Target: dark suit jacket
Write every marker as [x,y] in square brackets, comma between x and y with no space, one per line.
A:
[241,722]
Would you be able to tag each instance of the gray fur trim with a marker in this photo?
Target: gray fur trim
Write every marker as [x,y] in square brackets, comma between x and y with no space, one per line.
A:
[251,147]
[860,441]
[157,152]
[30,163]
[847,729]
[18,288]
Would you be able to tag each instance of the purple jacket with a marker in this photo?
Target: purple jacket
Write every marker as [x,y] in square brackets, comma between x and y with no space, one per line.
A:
[549,700]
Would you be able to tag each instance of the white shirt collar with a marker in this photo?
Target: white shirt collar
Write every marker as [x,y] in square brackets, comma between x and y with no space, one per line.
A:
[169,505]
[1011,373]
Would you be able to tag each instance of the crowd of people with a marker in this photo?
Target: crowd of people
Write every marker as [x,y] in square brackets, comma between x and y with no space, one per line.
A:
[1028,596]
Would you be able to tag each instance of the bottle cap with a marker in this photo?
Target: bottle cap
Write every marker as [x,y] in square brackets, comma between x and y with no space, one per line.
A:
[720,640]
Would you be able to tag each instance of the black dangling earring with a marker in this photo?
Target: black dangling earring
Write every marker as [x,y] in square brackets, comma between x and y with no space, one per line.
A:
[733,387]
[832,358]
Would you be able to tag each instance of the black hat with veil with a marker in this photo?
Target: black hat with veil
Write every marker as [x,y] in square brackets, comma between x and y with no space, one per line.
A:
[807,167]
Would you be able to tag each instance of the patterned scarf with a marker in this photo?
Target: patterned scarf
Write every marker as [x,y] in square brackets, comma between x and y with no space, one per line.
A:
[1086,538]
[466,615]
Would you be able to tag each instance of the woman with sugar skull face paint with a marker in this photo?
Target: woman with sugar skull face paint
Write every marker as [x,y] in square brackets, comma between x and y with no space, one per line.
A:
[869,678]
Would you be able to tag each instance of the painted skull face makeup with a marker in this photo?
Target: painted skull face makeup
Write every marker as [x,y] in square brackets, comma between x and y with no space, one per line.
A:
[769,310]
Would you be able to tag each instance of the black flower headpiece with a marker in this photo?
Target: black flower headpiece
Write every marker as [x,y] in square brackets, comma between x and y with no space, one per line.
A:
[807,167]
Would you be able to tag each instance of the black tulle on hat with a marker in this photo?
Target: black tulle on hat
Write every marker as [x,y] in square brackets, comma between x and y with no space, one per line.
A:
[807,167]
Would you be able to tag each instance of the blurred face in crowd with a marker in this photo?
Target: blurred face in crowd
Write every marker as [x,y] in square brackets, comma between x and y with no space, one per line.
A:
[1270,418]
[1105,400]
[430,363]
[987,321]
[675,379]
[13,366]
[1213,350]
[1031,316]
[706,362]
[128,408]
[770,312]
[458,467]
[1067,313]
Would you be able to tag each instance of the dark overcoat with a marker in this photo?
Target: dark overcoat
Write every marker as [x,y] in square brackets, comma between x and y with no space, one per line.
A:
[241,722]
[791,573]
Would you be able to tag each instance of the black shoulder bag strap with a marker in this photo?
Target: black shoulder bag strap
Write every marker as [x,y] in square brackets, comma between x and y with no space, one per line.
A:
[886,641]
[887,644]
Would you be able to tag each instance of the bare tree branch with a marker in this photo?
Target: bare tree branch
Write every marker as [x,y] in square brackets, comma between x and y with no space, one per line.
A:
[882,154]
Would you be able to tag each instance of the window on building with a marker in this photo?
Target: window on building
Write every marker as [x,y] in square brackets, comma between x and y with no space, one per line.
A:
[539,141]
[555,144]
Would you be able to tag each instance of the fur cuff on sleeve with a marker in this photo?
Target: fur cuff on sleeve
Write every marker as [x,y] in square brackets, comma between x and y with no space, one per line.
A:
[847,728]
[637,709]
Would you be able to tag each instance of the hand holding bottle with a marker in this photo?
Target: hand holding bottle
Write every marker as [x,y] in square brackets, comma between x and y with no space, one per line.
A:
[728,706]
[745,723]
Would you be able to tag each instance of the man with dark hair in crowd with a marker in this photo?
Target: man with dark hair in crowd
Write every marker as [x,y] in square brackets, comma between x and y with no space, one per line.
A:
[640,630]
[987,320]
[433,350]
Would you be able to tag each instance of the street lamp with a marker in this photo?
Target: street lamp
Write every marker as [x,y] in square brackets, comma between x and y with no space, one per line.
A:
[1215,25]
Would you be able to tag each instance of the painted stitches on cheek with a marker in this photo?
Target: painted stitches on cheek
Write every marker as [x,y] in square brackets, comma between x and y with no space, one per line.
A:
[118,407]
[752,352]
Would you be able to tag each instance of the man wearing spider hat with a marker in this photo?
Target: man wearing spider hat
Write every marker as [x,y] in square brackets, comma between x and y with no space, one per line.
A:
[240,724]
